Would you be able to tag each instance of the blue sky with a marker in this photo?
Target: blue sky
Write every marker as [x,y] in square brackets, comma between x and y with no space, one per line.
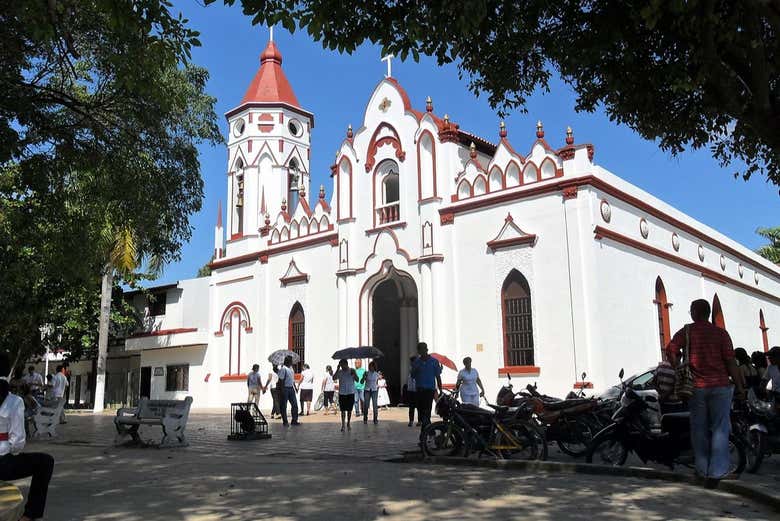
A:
[336,88]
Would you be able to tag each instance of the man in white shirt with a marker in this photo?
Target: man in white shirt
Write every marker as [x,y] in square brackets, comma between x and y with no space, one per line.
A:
[14,464]
[287,379]
[306,388]
[59,383]
[33,379]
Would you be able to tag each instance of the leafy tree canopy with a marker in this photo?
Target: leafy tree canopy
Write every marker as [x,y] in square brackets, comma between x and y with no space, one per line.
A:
[770,251]
[100,116]
[699,73]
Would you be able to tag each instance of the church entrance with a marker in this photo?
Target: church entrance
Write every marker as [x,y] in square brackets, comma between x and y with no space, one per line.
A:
[394,328]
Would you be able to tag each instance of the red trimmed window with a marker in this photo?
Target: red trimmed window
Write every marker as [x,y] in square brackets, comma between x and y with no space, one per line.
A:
[517,321]
[764,329]
[297,334]
[717,313]
[662,305]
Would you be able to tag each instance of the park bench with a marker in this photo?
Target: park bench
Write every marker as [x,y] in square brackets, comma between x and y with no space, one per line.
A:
[47,417]
[11,502]
[171,415]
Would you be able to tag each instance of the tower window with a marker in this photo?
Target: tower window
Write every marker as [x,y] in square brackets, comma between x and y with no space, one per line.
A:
[295,128]
[239,128]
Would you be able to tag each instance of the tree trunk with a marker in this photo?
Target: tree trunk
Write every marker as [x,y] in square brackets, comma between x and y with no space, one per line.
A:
[105,316]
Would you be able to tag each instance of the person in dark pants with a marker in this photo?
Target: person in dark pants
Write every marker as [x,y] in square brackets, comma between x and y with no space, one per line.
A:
[15,464]
[411,393]
[270,384]
[287,384]
[426,372]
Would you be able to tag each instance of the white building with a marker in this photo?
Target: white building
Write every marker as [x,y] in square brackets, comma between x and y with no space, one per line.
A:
[535,262]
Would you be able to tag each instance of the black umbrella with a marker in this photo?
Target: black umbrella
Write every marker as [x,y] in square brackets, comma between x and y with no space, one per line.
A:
[351,353]
[278,356]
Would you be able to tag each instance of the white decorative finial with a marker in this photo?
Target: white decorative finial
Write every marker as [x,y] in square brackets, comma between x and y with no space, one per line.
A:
[271,33]
[389,60]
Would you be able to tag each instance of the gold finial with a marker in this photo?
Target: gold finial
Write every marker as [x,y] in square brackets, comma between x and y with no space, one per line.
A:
[349,131]
[428,104]
[447,118]
[569,136]
[502,129]
[322,191]
[539,129]
[473,150]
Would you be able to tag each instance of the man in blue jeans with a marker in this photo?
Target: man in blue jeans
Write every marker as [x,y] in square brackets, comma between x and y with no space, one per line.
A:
[711,358]
[287,381]
[426,372]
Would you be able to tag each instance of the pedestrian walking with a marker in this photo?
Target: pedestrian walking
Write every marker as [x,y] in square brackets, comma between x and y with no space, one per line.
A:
[427,376]
[469,384]
[383,398]
[15,464]
[306,388]
[411,393]
[60,382]
[254,385]
[359,387]
[347,378]
[710,355]
[272,383]
[287,384]
[328,388]
[370,381]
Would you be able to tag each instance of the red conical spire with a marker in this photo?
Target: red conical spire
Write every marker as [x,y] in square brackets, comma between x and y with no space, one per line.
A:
[270,85]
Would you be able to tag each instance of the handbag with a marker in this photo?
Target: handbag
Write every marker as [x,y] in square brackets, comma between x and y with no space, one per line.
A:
[683,385]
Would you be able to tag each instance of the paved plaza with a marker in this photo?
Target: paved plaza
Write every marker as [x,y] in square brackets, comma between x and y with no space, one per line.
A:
[316,472]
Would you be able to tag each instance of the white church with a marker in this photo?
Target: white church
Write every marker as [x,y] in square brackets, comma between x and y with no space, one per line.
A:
[529,258]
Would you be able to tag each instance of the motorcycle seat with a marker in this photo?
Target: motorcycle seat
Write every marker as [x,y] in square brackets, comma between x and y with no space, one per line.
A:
[473,409]
[567,404]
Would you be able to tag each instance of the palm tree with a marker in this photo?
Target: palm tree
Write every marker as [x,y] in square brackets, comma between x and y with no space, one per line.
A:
[772,250]
[121,252]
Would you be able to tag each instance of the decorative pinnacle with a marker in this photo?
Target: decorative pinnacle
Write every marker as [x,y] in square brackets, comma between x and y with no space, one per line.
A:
[502,129]
[447,120]
[539,129]
[349,131]
[267,219]
[322,191]
[569,136]
[302,190]
[284,204]
[428,104]
[473,150]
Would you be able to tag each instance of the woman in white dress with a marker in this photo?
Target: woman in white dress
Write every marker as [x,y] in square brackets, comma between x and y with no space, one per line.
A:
[469,384]
[384,398]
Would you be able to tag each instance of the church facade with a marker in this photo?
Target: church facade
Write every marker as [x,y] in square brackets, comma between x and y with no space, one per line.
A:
[534,261]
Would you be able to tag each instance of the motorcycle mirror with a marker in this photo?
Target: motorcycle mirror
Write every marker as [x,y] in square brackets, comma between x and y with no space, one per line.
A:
[621,374]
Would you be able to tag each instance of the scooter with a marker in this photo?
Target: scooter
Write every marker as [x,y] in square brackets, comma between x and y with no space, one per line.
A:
[639,426]
[760,426]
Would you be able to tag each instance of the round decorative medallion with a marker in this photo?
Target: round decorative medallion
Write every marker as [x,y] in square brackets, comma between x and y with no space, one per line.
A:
[741,270]
[606,211]
[644,228]
[723,262]
[701,253]
[755,277]
[675,242]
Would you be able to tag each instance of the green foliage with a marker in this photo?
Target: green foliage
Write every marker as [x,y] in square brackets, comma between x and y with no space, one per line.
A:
[772,250]
[700,73]
[100,117]
[205,270]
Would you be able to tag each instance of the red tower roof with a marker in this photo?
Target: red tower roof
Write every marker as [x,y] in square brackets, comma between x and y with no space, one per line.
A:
[270,85]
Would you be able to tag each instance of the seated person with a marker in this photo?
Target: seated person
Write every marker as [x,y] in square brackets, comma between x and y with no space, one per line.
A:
[15,464]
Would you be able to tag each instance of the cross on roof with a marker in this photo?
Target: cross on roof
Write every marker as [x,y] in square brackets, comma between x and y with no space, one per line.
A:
[389,60]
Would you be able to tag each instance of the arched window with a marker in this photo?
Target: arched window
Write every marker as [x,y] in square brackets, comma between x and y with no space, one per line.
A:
[662,305]
[239,198]
[293,179]
[717,313]
[297,334]
[390,188]
[764,329]
[517,321]
[234,324]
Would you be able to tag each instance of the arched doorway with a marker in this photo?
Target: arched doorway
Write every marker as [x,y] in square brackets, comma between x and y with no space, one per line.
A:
[393,329]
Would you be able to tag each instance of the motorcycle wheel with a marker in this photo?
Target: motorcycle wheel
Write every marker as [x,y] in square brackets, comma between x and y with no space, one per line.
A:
[439,439]
[756,448]
[320,402]
[737,455]
[584,430]
[534,445]
[607,449]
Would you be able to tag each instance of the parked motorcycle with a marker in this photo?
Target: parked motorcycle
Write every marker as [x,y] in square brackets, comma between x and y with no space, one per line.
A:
[759,425]
[639,426]
[504,433]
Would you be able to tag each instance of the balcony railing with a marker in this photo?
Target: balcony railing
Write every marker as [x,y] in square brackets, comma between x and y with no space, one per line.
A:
[388,213]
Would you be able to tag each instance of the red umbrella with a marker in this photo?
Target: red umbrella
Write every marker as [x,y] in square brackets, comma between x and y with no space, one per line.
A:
[446,362]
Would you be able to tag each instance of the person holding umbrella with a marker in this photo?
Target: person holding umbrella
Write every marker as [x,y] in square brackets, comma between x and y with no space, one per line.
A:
[287,381]
[467,383]
[426,372]
[346,377]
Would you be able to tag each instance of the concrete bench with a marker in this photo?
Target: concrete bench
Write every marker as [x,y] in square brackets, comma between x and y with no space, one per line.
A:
[171,415]
[11,502]
[47,417]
